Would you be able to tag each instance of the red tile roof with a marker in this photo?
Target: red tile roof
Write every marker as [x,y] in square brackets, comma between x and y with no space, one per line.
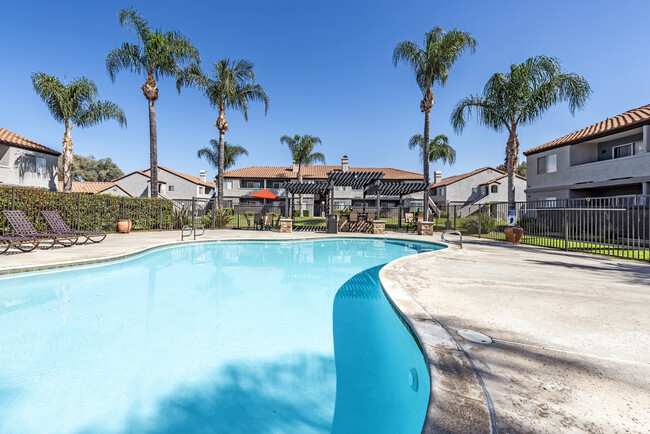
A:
[92,187]
[13,139]
[452,179]
[315,172]
[625,121]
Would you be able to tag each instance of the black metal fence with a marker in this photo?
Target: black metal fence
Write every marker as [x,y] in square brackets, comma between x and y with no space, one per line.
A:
[91,212]
[611,226]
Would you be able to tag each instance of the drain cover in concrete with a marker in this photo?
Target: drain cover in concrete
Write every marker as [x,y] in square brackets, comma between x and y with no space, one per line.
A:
[474,336]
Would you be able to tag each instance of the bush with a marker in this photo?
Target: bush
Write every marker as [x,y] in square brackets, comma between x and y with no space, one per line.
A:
[305,213]
[230,211]
[487,224]
[296,213]
[531,225]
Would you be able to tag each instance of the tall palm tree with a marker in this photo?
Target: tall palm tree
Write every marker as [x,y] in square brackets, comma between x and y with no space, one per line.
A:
[230,155]
[302,148]
[161,54]
[74,104]
[230,85]
[439,148]
[431,65]
[520,97]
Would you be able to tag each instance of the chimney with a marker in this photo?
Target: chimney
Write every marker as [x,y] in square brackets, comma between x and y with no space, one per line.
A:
[437,176]
[203,175]
[344,164]
[295,167]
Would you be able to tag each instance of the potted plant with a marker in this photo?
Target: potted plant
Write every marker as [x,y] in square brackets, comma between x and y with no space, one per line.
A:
[513,234]
[124,226]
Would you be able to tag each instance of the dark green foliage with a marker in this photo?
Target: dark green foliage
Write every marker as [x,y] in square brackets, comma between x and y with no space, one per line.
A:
[531,225]
[521,170]
[90,169]
[230,211]
[296,213]
[89,212]
[305,213]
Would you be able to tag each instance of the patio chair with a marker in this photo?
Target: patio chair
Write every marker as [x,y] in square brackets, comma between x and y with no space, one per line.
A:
[59,226]
[371,215]
[257,219]
[409,219]
[249,220]
[7,242]
[22,226]
[268,222]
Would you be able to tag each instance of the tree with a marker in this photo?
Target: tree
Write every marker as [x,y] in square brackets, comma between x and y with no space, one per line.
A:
[302,148]
[521,170]
[161,54]
[439,148]
[520,97]
[90,169]
[231,153]
[74,104]
[231,85]
[431,65]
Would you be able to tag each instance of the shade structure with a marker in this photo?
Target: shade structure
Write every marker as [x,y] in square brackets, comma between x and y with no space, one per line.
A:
[264,194]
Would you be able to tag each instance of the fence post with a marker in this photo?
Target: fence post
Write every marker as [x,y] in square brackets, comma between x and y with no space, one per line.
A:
[479,221]
[193,231]
[214,212]
[13,198]
[566,230]
[454,217]
[160,219]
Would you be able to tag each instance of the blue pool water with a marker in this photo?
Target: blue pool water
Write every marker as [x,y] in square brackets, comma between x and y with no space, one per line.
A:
[232,337]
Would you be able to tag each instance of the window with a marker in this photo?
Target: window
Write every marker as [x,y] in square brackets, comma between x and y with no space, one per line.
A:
[228,185]
[274,184]
[441,191]
[339,188]
[41,166]
[201,189]
[339,205]
[547,164]
[494,189]
[251,184]
[170,188]
[623,150]
[474,190]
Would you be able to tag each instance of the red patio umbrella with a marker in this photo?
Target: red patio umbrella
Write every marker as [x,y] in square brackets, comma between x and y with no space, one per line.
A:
[265,194]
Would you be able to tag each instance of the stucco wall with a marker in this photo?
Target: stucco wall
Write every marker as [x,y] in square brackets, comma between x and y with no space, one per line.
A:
[26,168]
[183,189]
[462,191]
[571,174]
[136,184]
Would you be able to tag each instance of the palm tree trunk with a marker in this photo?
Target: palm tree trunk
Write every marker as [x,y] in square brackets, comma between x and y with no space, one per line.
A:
[222,126]
[68,158]
[153,148]
[512,151]
[222,147]
[300,195]
[426,105]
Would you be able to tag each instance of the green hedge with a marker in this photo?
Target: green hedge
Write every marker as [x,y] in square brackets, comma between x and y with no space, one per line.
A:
[88,212]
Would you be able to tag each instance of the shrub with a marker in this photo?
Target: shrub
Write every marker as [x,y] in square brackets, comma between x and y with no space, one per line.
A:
[305,213]
[296,213]
[230,211]
[487,224]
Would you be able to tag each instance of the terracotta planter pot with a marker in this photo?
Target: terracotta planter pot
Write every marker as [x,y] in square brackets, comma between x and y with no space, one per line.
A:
[124,226]
[513,234]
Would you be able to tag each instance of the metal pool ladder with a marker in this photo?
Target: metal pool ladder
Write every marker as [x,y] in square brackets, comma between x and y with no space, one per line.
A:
[442,237]
[192,231]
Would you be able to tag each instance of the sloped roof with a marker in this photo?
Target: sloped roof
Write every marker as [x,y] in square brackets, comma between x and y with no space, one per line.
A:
[456,178]
[185,176]
[498,178]
[139,172]
[12,139]
[315,172]
[625,121]
[92,187]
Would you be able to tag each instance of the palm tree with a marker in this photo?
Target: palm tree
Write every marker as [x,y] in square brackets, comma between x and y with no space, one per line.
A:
[302,148]
[231,153]
[439,148]
[74,104]
[230,85]
[160,54]
[431,65]
[520,97]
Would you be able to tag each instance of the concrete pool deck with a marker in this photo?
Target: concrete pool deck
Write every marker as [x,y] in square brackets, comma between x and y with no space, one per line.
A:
[571,332]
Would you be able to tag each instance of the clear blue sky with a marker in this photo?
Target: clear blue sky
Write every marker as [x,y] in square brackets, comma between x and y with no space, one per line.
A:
[327,69]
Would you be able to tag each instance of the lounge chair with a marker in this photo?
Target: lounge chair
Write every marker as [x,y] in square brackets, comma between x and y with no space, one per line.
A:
[371,216]
[59,226]
[7,242]
[268,222]
[22,226]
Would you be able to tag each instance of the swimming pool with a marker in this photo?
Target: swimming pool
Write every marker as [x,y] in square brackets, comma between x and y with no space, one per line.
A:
[277,336]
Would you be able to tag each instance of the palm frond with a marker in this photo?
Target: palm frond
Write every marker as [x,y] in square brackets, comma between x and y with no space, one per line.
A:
[99,111]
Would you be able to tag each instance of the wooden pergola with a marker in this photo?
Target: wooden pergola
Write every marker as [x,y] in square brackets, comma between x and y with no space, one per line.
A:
[294,187]
[399,189]
[353,179]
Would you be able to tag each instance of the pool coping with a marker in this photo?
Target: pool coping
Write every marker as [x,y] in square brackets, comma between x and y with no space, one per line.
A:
[457,400]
